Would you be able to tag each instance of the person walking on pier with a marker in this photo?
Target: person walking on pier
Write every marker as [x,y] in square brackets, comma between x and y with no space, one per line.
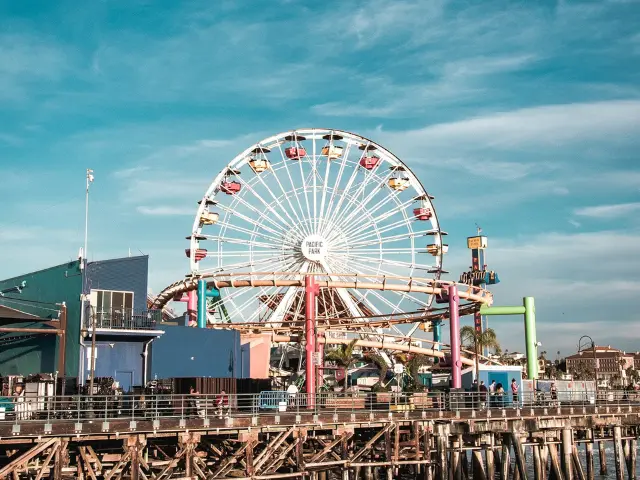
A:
[492,393]
[514,392]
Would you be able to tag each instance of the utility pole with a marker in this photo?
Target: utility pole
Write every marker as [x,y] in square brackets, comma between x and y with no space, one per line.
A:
[83,263]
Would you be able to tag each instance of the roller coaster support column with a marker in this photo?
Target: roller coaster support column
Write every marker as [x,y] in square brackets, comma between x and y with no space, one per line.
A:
[454,329]
[437,336]
[527,309]
[311,291]
[202,304]
[192,307]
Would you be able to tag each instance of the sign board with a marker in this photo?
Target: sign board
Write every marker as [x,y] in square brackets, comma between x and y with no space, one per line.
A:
[398,368]
[477,242]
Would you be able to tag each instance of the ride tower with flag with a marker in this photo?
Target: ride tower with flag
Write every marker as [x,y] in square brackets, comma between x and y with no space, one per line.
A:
[479,275]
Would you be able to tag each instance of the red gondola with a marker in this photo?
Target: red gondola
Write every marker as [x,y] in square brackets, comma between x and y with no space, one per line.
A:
[230,188]
[370,162]
[200,254]
[295,153]
[422,213]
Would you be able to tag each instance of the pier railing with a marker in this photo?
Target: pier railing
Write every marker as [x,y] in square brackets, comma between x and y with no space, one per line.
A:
[81,408]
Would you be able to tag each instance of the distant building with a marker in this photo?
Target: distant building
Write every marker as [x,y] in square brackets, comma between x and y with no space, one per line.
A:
[610,363]
[515,356]
[636,361]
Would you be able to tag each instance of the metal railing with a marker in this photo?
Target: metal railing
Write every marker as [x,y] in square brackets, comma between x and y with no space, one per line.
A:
[153,407]
[123,319]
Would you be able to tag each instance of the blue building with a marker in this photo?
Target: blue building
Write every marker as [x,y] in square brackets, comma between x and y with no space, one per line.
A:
[116,296]
[131,343]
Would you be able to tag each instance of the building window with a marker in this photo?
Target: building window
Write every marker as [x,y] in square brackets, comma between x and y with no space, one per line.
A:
[112,309]
[109,301]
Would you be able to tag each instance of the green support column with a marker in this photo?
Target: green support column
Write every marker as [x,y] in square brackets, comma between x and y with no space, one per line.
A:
[530,337]
[527,309]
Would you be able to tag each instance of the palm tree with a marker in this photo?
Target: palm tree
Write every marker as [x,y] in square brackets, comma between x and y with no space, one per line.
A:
[378,360]
[478,341]
[413,368]
[343,356]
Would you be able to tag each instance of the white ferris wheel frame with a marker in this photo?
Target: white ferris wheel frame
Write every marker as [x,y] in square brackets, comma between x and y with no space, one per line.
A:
[276,214]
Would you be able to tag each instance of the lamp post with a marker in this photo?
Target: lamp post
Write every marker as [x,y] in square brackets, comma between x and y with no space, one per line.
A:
[595,357]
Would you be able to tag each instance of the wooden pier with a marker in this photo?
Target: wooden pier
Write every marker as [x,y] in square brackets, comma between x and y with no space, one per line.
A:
[542,443]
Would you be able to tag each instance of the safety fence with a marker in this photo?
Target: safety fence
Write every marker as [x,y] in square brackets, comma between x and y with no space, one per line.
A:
[147,407]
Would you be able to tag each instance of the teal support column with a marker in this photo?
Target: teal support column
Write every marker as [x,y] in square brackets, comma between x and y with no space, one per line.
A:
[202,304]
[530,337]
[437,336]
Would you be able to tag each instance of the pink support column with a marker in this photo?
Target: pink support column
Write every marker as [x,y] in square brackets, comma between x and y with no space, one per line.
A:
[311,291]
[192,307]
[320,352]
[454,332]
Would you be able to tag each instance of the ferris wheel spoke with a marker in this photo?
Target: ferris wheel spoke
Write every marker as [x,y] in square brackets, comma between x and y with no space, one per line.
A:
[360,189]
[323,202]
[376,233]
[343,294]
[247,231]
[293,223]
[363,261]
[247,242]
[263,263]
[343,195]
[301,224]
[368,305]
[363,242]
[268,206]
[233,211]
[343,221]
[362,225]
[307,217]
[343,163]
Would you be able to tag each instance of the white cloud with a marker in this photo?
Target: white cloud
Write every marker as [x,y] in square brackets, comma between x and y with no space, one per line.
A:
[165,210]
[611,121]
[27,60]
[608,211]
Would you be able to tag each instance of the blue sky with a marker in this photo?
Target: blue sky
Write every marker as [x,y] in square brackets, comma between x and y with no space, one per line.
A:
[521,116]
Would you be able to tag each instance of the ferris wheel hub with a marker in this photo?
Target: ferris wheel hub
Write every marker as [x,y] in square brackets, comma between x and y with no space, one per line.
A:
[314,248]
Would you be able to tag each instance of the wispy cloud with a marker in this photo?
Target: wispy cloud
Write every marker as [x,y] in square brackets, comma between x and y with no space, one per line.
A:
[29,60]
[613,121]
[608,211]
[165,211]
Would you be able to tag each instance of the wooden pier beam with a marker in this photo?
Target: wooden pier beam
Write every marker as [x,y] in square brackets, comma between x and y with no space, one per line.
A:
[602,454]
[519,454]
[567,453]
[618,454]
[443,465]
[537,464]
[490,458]
[634,456]
[589,455]
[555,462]
[479,472]
[505,466]
[544,460]
[576,463]
[456,464]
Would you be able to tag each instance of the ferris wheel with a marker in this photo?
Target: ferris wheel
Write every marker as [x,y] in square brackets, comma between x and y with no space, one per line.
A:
[316,201]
